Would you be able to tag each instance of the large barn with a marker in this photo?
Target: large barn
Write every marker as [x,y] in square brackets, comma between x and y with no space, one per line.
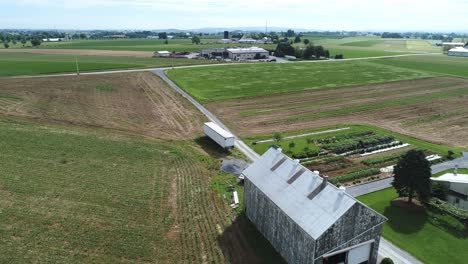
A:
[305,218]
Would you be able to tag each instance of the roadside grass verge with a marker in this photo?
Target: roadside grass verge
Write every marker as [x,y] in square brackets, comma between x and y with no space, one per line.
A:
[460,171]
[429,236]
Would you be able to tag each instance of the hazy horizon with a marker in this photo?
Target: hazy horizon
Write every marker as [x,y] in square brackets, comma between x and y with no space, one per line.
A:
[358,15]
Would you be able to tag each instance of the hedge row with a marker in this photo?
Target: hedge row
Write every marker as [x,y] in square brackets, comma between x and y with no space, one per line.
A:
[354,144]
[446,208]
[355,175]
[306,154]
[344,137]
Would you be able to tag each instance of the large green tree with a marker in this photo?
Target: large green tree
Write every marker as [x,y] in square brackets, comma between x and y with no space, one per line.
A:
[195,40]
[412,175]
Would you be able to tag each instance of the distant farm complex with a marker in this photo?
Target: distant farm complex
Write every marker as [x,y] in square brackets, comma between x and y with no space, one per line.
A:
[305,218]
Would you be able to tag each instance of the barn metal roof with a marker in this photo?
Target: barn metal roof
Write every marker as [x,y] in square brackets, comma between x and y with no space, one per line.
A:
[247,50]
[298,193]
[459,49]
[450,177]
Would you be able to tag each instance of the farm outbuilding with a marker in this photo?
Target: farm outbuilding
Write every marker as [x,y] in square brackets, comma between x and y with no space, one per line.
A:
[458,51]
[247,53]
[305,218]
[162,53]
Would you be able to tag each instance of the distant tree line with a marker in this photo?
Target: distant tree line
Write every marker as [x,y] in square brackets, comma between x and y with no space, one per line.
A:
[309,52]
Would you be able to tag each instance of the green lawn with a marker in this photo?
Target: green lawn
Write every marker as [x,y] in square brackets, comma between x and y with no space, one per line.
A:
[237,81]
[12,64]
[460,171]
[430,237]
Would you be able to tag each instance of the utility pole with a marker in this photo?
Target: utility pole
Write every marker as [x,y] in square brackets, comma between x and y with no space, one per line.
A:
[77,68]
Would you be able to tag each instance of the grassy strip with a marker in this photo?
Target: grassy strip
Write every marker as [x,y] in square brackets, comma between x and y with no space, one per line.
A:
[460,171]
[431,237]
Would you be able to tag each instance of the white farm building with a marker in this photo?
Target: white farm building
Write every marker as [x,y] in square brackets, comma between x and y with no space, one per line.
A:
[247,53]
[458,188]
[458,51]
[305,218]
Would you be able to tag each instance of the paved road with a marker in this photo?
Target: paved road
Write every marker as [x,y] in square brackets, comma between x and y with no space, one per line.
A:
[370,187]
[387,249]
[462,162]
[239,144]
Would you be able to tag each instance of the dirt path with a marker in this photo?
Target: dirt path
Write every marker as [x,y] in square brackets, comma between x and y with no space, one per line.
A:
[81,52]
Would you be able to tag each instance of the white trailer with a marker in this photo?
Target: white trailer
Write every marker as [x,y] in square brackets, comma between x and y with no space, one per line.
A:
[219,135]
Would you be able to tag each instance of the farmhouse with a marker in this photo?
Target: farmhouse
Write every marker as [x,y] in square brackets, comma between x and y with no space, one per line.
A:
[247,41]
[458,188]
[458,51]
[247,53]
[305,218]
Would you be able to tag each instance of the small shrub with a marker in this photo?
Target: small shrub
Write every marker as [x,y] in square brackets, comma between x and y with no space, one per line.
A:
[386,261]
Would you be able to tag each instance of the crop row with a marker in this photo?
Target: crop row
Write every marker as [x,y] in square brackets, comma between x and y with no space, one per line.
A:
[355,175]
[381,160]
[346,136]
[354,144]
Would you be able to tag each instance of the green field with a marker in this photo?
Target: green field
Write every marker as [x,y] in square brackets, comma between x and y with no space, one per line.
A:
[429,236]
[358,47]
[437,64]
[177,45]
[12,64]
[238,81]
[85,195]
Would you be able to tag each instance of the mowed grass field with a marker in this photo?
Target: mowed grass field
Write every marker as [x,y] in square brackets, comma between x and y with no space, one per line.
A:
[242,81]
[359,47]
[430,237]
[13,64]
[177,45]
[111,169]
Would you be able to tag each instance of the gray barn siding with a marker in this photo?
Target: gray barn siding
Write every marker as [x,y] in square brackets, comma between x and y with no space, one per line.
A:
[347,229]
[291,241]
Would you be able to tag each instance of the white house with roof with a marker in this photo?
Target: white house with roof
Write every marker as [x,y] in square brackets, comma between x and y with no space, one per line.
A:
[305,218]
[458,188]
[247,53]
[458,51]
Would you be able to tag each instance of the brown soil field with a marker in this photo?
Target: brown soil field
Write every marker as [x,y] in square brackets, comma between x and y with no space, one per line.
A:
[433,109]
[139,103]
[78,52]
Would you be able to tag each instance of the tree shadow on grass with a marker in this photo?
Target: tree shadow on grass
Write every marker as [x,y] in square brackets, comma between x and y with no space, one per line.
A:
[242,243]
[405,220]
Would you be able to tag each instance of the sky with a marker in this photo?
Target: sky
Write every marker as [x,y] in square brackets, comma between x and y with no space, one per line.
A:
[377,15]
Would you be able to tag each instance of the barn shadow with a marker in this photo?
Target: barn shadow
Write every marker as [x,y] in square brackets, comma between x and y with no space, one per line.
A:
[242,243]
